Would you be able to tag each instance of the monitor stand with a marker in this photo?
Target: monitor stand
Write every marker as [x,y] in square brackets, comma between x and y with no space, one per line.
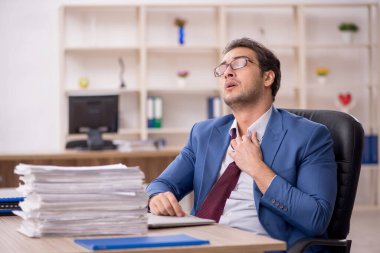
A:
[94,142]
[94,139]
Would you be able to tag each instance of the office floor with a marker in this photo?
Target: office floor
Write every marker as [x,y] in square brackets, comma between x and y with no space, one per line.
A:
[365,231]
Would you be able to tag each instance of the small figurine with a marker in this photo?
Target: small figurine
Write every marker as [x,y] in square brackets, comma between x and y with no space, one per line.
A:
[122,68]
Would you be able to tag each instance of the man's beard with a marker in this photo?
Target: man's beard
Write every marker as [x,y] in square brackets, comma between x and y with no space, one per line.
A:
[250,97]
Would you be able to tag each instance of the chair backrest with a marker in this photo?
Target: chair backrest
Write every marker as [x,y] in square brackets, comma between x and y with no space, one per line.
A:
[348,136]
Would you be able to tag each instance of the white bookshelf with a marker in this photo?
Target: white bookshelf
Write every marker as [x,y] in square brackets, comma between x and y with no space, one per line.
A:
[303,36]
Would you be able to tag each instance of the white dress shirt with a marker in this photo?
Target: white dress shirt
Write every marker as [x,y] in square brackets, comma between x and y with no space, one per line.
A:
[240,210]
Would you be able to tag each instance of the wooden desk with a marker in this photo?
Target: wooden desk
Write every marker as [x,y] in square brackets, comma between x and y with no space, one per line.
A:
[151,162]
[222,239]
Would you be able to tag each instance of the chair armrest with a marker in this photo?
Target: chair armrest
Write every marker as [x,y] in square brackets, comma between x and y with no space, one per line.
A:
[301,245]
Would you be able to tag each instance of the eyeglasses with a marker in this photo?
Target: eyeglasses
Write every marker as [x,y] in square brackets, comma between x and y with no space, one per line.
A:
[238,63]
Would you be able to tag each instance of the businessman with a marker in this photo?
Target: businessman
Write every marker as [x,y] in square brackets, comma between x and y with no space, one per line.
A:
[260,169]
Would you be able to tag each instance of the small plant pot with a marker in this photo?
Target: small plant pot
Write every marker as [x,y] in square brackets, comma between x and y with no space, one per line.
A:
[181,82]
[347,37]
[322,80]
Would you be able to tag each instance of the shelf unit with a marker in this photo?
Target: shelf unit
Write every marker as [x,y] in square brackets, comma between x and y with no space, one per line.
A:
[303,35]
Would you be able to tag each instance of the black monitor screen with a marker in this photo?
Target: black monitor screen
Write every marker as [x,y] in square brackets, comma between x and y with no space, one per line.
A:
[93,112]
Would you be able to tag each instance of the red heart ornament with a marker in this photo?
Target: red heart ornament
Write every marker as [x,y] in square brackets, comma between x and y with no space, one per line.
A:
[345,99]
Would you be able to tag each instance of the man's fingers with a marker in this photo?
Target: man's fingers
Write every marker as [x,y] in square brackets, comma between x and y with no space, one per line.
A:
[157,205]
[167,207]
[254,138]
[233,144]
[176,207]
[156,209]
[166,204]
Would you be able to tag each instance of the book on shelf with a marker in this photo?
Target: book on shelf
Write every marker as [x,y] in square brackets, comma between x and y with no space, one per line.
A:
[370,149]
[214,107]
[154,111]
[150,111]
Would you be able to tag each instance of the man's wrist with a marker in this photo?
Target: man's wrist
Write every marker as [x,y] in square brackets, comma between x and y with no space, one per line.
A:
[150,197]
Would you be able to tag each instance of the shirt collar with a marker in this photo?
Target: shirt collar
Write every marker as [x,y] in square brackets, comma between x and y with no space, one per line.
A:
[258,126]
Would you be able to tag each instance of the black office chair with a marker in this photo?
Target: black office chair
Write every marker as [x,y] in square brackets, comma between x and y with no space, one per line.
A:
[348,135]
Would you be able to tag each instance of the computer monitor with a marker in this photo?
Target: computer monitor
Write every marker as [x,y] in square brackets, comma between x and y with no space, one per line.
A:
[93,115]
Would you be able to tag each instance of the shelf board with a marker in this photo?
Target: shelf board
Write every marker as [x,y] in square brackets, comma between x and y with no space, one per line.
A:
[101,7]
[185,90]
[336,86]
[124,132]
[337,45]
[282,46]
[169,130]
[182,49]
[129,131]
[96,49]
[372,166]
[100,92]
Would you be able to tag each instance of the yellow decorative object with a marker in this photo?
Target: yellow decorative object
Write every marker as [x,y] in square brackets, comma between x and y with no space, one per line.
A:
[322,71]
[83,82]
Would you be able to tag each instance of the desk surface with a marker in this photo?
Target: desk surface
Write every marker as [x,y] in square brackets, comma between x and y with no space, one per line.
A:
[70,154]
[222,239]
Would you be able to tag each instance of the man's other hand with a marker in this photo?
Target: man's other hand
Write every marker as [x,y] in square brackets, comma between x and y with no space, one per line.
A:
[165,203]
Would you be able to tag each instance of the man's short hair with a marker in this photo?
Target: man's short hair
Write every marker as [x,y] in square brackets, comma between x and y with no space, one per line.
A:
[267,59]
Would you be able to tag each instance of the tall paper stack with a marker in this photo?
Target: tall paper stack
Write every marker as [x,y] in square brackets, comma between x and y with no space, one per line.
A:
[72,201]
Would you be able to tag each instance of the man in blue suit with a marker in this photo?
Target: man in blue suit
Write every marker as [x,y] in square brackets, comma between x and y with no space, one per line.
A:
[287,185]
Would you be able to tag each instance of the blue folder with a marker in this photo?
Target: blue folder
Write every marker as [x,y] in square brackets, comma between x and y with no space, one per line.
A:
[140,242]
[7,205]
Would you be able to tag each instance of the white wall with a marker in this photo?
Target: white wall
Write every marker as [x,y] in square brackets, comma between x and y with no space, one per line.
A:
[29,89]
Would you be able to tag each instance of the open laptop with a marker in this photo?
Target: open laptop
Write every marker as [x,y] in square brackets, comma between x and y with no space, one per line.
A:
[155,221]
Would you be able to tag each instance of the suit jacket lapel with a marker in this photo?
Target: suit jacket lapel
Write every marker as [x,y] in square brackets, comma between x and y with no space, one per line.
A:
[216,149]
[272,139]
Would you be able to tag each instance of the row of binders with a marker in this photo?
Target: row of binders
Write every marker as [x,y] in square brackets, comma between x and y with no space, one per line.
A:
[155,110]
[370,149]
[214,107]
[77,201]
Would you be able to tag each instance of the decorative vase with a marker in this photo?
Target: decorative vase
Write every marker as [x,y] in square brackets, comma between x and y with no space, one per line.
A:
[322,79]
[83,82]
[347,37]
[181,35]
[181,82]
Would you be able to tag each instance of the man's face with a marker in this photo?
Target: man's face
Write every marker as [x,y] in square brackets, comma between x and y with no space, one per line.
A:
[244,85]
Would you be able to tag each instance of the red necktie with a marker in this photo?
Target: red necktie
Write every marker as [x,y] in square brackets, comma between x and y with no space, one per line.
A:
[213,206]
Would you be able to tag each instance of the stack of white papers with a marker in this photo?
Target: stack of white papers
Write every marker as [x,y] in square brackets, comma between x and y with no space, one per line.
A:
[76,201]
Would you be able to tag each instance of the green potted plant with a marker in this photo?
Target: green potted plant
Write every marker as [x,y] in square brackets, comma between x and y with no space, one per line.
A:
[347,30]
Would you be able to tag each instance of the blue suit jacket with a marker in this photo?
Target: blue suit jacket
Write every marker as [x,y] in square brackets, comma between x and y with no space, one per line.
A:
[300,200]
